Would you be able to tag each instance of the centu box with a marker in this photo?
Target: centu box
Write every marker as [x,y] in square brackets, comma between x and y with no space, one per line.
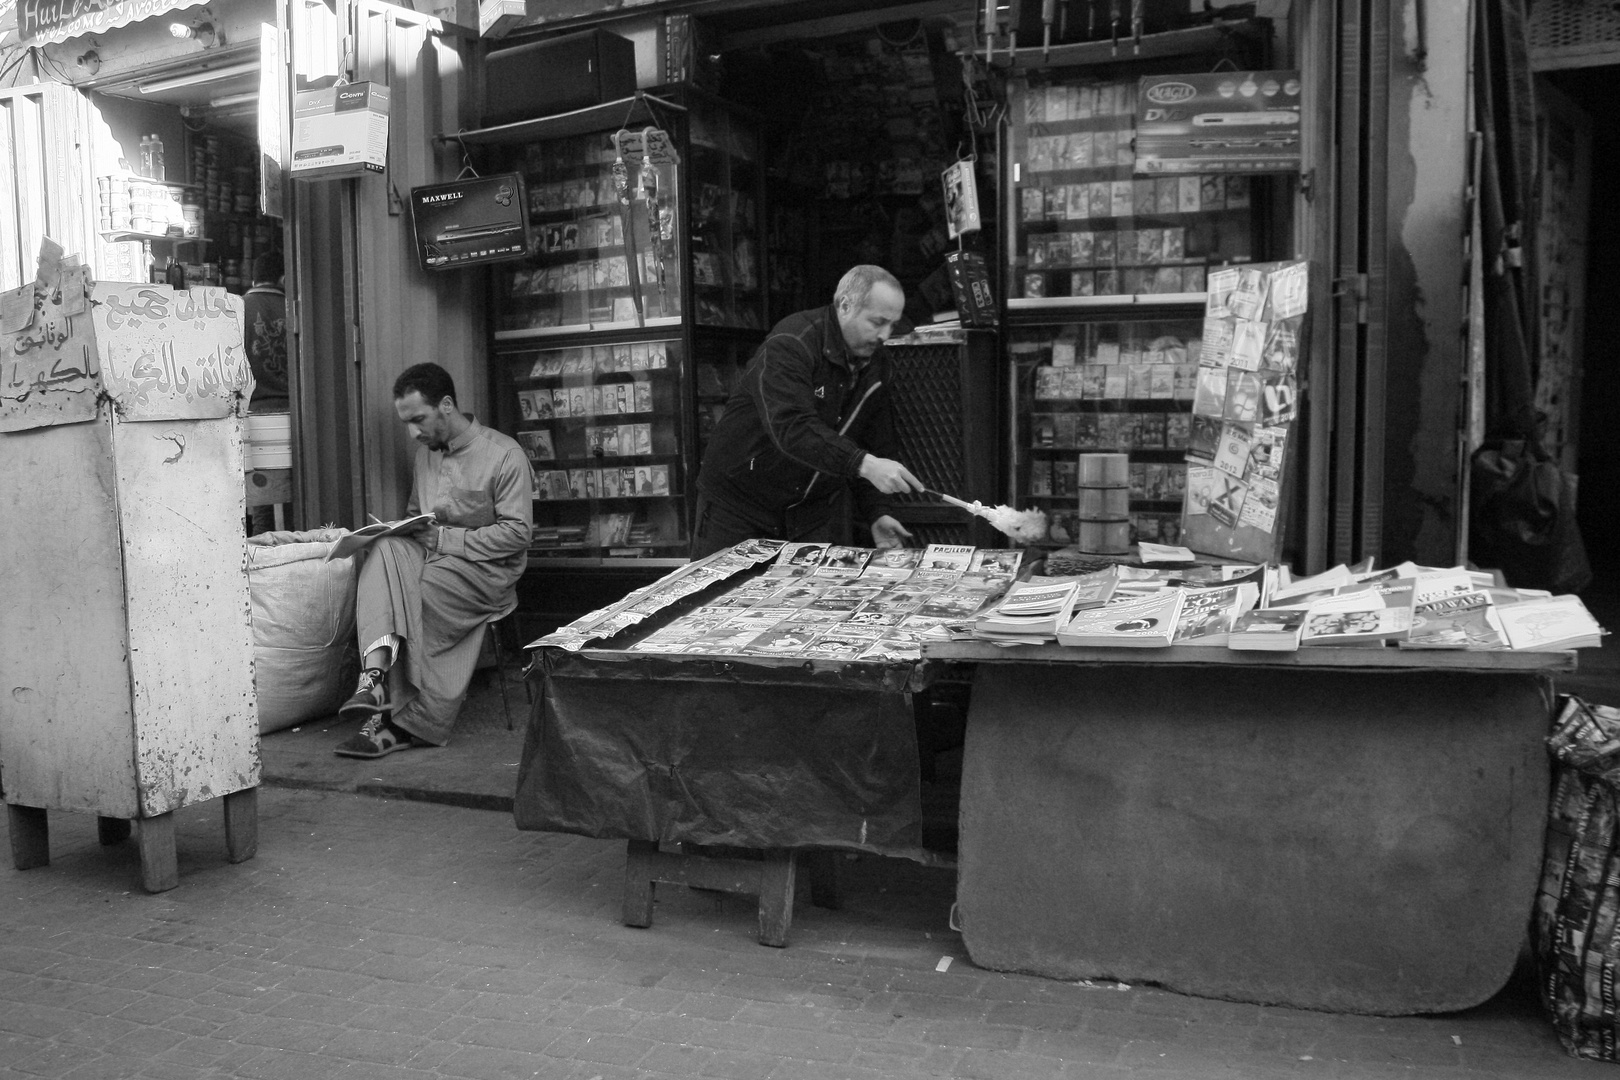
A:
[340,131]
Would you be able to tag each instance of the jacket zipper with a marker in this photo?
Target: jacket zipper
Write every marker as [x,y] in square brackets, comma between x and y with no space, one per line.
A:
[853,413]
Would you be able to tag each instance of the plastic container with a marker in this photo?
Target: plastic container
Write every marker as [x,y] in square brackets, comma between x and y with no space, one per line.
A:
[1105,470]
[1105,537]
[1105,503]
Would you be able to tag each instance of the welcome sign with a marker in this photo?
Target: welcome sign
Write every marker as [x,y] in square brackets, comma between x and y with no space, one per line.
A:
[45,22]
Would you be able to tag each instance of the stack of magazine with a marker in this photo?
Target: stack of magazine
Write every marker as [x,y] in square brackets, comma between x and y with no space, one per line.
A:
[831,602]
[1263,608]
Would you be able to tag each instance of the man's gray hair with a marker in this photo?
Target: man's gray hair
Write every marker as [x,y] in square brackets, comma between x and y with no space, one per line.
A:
[856,285]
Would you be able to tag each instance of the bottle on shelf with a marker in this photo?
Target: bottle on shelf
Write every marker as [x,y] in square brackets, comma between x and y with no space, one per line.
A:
[147,156]
[158,172]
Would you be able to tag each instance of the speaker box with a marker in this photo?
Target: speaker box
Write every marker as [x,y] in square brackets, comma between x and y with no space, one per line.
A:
[557,75]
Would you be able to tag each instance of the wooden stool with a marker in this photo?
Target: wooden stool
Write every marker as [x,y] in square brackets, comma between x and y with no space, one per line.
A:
[771,878]
[31,838]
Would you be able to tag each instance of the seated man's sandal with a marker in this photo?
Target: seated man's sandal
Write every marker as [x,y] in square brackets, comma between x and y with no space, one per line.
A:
[377,737]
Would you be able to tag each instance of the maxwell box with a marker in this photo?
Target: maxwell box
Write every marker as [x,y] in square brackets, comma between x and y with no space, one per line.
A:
[340,131]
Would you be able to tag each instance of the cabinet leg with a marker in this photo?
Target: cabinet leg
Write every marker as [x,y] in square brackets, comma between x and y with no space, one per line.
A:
[30,837]
[822,867]
[160,871]
[638,882]
[112,830]
[776,879]
[242,825]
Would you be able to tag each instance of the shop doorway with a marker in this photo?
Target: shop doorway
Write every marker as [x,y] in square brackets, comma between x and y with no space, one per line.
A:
[1579,376]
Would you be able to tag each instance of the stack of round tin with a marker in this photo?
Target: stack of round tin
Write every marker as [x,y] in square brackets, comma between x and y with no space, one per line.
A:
[1105,501]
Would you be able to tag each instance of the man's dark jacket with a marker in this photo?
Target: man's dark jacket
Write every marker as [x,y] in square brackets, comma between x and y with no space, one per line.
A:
[797,425]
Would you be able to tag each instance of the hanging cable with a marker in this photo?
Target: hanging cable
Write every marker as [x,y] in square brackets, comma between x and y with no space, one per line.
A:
[466,160]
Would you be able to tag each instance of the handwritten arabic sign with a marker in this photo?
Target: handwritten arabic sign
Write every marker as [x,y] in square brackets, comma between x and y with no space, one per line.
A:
[49,370]
[171,355]
[43,22]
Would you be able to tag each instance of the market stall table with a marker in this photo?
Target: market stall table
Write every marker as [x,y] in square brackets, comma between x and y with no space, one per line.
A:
[778,755]
[1354,829]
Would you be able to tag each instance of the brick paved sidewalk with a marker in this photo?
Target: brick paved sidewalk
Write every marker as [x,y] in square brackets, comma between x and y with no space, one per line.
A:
[387,940]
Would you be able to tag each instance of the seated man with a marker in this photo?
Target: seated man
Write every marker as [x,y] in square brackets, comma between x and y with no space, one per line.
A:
[424,599]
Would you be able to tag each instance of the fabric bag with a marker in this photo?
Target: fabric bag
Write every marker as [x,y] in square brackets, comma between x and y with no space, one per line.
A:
[1573,928]
[1523,519]
[305,658]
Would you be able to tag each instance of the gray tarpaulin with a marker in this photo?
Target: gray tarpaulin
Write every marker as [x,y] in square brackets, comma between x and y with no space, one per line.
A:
[758,753]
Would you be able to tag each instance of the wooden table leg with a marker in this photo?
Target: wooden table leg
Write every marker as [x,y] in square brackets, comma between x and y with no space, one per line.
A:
[776,880]
[30,837]
[242,825]
[112,830]
[160,871]
[639,875]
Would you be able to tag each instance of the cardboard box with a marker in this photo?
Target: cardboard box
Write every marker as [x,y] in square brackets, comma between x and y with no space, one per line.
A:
[497,18]
[340,131]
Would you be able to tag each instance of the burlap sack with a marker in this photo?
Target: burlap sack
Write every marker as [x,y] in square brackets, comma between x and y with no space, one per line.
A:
[304,654]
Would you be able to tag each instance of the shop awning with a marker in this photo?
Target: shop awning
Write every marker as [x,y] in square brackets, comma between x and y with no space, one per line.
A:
[45,22]
[639,109]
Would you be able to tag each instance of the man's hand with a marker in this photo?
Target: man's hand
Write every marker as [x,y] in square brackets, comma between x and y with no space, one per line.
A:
[426,534]
[889,533]
[889,477]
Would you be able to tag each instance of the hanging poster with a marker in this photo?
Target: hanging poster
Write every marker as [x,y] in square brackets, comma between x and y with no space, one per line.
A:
[49,369]
[1248,401]
[1224,121]
[171,354]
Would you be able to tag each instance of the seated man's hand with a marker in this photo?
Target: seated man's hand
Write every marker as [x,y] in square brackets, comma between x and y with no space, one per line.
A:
[426,534]
[888,476]
[889,533]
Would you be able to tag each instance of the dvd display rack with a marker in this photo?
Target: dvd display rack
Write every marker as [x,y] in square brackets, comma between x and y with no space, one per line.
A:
[644,265]
[1083,226]
[601,427]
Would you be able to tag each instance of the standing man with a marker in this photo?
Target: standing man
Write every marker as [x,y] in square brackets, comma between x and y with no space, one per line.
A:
[424,599]
[809,417]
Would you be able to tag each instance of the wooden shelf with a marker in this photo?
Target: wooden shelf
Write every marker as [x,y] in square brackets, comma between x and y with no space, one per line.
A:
[119,236]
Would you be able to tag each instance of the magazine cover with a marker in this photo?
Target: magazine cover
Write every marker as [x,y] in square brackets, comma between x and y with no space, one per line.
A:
[1207,615]
[1148,620]
[1455,622]
[1365,626]
[796,560]
[841,560]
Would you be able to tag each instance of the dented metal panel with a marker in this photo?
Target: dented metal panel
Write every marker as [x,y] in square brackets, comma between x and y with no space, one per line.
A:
[180,509]
[66,731]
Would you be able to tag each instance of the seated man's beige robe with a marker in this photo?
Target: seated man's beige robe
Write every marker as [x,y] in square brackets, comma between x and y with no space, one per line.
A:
[481,489]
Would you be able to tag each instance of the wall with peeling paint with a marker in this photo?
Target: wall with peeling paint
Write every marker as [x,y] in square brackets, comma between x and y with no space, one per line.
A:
[1427,182]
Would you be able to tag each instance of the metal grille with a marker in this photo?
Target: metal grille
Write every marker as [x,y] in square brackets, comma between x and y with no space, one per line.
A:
[928,421]
[1574,33]
[928,415]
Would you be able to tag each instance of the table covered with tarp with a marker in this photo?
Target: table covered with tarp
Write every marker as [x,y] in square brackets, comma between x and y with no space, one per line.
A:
[694,757]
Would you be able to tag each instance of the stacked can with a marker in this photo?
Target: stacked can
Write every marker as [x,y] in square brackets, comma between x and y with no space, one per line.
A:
[1105,501]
